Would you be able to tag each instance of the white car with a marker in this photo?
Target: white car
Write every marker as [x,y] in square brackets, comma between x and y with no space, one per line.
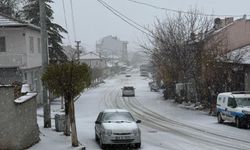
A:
[128,91]
[144,73]
[116,127]
[234,107]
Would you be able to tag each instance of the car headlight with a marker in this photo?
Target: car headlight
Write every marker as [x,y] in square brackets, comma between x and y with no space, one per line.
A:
[246,112]
[108,132]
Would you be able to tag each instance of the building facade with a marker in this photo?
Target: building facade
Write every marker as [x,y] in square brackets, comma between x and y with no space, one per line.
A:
[20,48]
[111,46]
[93,60]
[234,45]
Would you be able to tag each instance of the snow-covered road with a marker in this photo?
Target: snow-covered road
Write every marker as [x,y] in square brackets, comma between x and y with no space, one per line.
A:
[165,126]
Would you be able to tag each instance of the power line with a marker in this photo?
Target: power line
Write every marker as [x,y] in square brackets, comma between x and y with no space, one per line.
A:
[125,16]
[65,20]
[180,11]
[73,20]
[121,16]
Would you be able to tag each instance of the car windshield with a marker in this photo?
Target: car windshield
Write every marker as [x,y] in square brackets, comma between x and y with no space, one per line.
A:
[128,88]
[243,101]
[117,116]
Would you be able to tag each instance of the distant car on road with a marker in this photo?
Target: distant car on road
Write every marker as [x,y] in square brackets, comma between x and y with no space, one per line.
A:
[115,127]
[144,73]
[128,91]
[128,75]
[234,107]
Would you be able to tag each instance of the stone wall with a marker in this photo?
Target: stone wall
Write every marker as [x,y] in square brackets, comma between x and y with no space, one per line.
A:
[18,120]
[9,75]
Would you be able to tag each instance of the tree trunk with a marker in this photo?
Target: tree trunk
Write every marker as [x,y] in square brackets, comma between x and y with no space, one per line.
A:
[74,138]
[67,120]
[62,106]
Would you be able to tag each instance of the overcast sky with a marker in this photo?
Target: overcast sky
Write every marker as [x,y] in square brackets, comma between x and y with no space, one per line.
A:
[93,21]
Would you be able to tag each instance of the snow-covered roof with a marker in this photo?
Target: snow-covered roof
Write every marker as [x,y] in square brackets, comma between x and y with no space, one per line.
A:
[240,54]
[90,56]
[1,85]
[25,98]
[109,64]
[7,21]
[115,110]
[113,57]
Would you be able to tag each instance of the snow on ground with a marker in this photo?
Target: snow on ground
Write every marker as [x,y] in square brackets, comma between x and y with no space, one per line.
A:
[87,108]
[199,119]
[91,103]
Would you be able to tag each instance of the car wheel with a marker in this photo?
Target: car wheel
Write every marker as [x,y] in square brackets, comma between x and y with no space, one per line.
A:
[103,146]
[137,145]
[238,122]
[219,118]
[96,138]
[245,126]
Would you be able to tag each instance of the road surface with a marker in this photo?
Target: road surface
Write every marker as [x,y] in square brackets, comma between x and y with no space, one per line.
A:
[165,126]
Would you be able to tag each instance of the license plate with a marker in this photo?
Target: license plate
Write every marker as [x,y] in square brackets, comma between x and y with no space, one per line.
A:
[122,137]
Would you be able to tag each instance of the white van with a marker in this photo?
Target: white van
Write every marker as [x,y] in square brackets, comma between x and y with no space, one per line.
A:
[234,107]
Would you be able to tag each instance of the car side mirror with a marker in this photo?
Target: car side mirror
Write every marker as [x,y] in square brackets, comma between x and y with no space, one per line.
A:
[138,121]
[97,122]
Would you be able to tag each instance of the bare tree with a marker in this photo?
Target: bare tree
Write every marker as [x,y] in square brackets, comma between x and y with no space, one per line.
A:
[187,48]
[176,44]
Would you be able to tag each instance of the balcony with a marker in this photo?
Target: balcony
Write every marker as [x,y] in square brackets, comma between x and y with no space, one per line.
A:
[12,60]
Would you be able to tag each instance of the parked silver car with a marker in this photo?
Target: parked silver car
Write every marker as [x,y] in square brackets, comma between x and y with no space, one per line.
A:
[116,127]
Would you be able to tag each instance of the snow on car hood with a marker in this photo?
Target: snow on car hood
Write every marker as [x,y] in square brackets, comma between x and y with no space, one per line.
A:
[120,126]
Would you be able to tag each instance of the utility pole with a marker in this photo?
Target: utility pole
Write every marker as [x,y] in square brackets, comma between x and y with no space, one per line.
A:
[44,42]
[78,49]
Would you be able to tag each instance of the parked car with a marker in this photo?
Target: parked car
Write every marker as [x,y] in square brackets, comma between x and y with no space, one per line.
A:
[116,127]
[153,86]
[128,91]
[234,107]
[128,75]
[144,73]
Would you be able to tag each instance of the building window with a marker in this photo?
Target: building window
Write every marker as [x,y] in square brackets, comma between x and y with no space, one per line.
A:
[2,44]
[25,78]
[39,45]
[32,77]
[31,44]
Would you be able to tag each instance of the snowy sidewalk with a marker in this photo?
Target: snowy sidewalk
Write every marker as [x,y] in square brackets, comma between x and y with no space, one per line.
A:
[50,139]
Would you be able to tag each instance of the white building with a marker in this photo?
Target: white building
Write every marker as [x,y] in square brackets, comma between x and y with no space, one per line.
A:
[111,46]
[93,60]
[20,47]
